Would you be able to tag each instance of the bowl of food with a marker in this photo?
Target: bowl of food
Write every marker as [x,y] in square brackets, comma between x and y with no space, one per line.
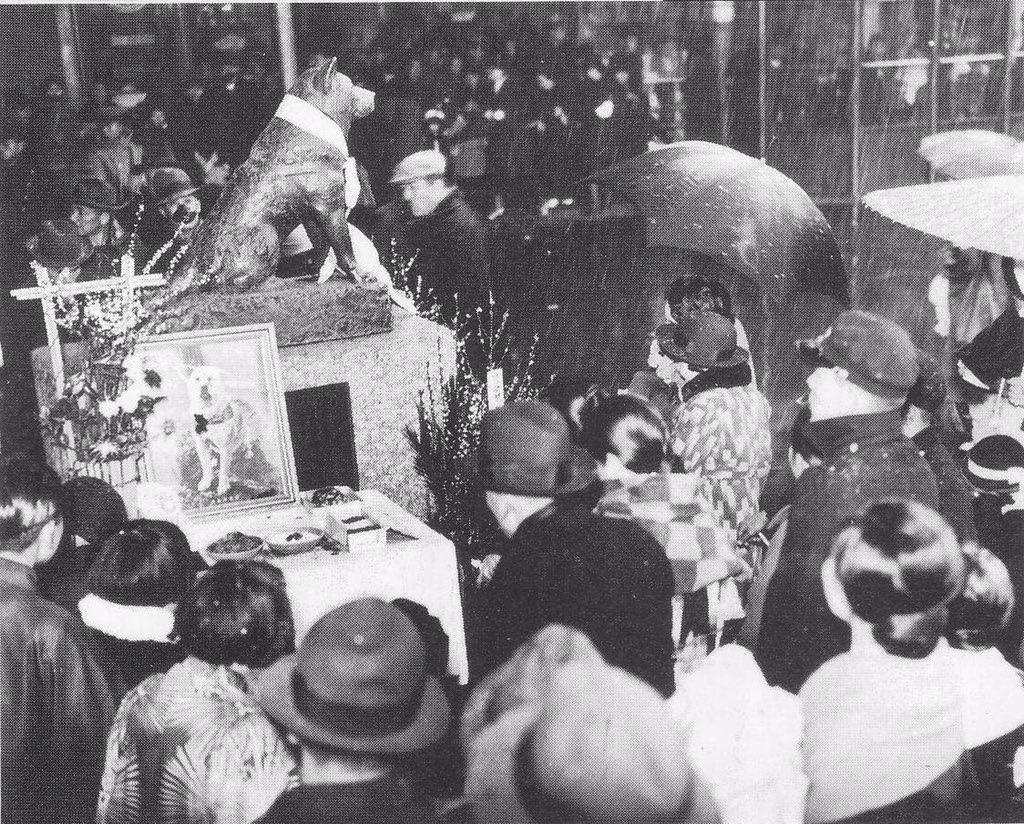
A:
[294,540]
[235,546]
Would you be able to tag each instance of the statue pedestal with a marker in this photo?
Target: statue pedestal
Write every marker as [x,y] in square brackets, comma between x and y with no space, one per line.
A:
[386,374]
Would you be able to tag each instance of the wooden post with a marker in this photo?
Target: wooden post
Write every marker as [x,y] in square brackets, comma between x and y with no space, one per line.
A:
[286,44]
[762,78]
[933,76]
[182,48]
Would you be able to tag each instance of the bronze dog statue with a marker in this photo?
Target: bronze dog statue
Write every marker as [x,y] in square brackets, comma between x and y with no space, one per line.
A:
[295,173]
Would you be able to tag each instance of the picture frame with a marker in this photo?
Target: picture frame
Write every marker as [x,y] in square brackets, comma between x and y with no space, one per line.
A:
[223,395]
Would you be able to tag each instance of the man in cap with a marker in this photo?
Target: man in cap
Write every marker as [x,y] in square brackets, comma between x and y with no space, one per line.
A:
[865,367]
[358,700]
[94,210]
[441,234]
[564,564]
[171,216]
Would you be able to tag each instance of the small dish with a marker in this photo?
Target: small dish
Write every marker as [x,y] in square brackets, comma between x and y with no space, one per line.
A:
[235,546]
[294,541]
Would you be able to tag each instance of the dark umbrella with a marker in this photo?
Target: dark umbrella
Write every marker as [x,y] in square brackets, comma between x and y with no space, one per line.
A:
[714,200]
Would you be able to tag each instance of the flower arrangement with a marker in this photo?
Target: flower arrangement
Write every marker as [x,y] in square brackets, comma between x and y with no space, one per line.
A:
[450,409]
[101,411]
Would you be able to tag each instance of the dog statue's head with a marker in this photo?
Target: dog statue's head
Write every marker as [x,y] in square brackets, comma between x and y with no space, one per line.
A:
[204,386]
[333,93]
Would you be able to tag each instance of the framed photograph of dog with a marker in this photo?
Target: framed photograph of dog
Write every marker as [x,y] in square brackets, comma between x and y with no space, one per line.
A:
[221,438]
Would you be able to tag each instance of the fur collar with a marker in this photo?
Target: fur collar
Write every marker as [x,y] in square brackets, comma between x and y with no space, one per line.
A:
[127,623]
[727,377]
[310,119]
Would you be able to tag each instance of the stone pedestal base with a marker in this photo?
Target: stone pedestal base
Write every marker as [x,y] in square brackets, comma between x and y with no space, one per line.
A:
[386,374]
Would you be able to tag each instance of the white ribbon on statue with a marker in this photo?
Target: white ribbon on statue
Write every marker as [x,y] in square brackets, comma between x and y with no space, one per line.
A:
[310,119]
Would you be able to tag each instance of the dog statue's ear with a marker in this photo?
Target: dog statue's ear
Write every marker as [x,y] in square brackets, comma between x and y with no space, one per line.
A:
[323,80]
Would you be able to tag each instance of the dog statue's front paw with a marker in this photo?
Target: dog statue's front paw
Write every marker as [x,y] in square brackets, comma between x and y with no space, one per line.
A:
[205,483]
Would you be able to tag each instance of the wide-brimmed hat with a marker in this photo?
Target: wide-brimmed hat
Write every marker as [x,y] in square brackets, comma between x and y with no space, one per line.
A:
[526,448]
[96,194]
[876,352]
[58,245]
[994,462]
[358,683]
[703,340]
[167,184]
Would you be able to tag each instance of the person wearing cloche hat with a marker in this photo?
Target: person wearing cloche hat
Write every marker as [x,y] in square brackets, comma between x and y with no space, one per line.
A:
[359,701]
[865,366]
[563,563]
[994,467]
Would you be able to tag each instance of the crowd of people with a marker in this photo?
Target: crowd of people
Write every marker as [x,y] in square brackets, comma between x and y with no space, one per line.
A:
[658,638]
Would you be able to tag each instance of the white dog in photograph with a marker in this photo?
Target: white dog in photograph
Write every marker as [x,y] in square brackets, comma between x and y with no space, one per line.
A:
[222,425]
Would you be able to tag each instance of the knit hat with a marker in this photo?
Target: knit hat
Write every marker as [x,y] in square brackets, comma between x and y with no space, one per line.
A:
[526,448]
[877,353]
[428,163]
[991,463]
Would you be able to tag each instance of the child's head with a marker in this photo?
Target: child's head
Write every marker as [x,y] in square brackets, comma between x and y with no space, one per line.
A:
[897,569]
[624,432]
[31,520]
[570,396]
[146,563]
[983,609]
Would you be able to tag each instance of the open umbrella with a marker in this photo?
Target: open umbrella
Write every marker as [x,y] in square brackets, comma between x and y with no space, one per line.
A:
[985,213]
[973,153]
[712,199]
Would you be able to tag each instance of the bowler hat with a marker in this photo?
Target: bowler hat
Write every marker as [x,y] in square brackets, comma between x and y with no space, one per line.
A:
[167,184]
[96,194]
[427,163]
[526,448]
[359,683]
[991,463]
[703,340]
[58,245]
[877,353]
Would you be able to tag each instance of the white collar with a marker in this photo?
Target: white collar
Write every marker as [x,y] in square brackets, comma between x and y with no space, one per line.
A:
[310,119]
[127,623]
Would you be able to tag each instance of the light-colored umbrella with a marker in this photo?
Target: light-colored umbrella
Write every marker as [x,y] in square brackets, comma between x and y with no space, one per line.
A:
[973,153]
[985,213]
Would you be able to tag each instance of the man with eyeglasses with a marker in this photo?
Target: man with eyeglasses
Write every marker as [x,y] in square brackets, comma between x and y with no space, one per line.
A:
[864,368]
[57,707]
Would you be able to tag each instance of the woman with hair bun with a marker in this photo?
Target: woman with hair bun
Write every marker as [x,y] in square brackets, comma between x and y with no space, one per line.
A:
[883,723]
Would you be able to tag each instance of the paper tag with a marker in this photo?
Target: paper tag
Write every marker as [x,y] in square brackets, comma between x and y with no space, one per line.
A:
[495,388]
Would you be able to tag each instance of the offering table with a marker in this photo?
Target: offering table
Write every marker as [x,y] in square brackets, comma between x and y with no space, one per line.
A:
[417,563]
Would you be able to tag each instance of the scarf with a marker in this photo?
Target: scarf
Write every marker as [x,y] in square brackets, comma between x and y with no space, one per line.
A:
[717,377]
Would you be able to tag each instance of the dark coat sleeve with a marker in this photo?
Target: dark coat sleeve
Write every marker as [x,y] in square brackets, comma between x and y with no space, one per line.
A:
[798,631]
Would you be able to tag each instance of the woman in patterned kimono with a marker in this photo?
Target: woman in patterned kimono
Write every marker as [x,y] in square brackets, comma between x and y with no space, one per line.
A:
[190,746]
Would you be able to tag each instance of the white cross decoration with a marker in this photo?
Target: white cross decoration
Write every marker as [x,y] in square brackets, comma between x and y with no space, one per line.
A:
[49,292]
